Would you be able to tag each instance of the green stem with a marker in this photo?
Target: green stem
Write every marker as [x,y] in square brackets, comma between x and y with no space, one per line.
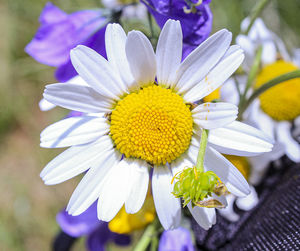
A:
[150,24]
[237,86]
[148,235]
[251,77]
[270,84]
[154,244]
[257,9]
[202,148]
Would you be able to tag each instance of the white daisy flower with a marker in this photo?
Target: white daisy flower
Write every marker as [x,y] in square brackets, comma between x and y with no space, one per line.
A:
[280,104]
[260,35]
[151,121]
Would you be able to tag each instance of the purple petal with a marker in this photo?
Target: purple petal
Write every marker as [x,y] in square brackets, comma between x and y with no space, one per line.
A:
[74,114]
[59,33]
[52,14]
[96,42]
[65,72]
[80,225]
[196,27]
[96,240]
[121,239]
[176,240]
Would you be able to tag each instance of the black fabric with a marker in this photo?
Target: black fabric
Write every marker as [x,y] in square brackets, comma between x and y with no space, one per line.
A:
[274,224]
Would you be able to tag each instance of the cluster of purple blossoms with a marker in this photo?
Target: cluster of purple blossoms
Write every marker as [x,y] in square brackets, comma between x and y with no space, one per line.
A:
[87,224]
[60,32]
[196,20]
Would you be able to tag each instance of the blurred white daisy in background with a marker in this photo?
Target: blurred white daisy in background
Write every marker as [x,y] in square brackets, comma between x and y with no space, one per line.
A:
[151,121]
[260,35]
[275,110]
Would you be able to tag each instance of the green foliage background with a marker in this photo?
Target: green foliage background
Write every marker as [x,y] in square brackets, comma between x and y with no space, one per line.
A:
[27,206]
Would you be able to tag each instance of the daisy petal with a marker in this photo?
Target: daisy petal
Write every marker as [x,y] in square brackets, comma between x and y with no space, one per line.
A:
[248,202]
[214,115]
[96,71]
[45,105]
[167,206]
[239,139]
[226,171]
[114,192]
[77,98]
[77,80]
[197,65]
[139,178]
[169,52]
[73,131]
[89,188]
[217,76]
[205,217]
[180,163]
[292,147]
[141,58]
[115,40]
[75,160]
[260,120]
[228,212]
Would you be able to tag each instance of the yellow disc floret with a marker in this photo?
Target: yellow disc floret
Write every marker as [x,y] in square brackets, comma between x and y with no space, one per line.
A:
[153,124]
[241,163]
[212,96]
[125,223]
[281,102]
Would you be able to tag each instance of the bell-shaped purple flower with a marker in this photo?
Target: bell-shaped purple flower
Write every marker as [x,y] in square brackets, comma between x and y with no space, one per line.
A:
[60,32]
[87,224]
[196,25]
[176,240]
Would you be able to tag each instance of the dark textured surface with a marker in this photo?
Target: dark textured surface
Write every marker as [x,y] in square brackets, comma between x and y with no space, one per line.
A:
[272,225]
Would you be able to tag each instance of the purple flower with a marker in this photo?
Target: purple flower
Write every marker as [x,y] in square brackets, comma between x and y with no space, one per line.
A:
[196,26]
[87,224]
[60,32]
[176,240]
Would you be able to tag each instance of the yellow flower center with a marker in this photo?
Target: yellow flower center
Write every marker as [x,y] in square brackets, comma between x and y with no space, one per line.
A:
[241,163]
[125,223]
[153,124]
[212,96]
[281,102]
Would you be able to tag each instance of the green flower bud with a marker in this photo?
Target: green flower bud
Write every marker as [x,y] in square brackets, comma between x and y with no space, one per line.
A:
[193,185]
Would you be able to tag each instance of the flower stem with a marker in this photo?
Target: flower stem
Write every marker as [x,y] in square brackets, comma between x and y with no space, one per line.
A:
[148,235]
[202,148]
[257,9]
[269,84]
[251,78]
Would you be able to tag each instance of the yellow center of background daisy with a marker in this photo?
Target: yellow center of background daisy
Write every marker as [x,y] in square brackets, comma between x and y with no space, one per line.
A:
[281,102]
[241,163]
[153,124]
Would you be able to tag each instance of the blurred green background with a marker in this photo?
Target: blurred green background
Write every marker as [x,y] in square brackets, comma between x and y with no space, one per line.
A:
[27,206]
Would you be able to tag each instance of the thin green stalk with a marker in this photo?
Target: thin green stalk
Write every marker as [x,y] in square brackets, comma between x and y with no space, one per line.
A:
[154,244]
[202,148]
[266,86]
[237,86]
[251,77]
[256,11]
[149,234]
[150,24]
